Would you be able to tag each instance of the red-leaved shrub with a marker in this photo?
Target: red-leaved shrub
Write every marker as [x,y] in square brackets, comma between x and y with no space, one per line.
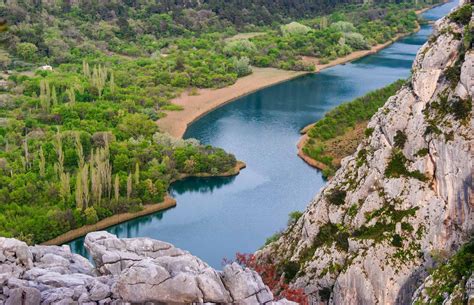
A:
[271,278]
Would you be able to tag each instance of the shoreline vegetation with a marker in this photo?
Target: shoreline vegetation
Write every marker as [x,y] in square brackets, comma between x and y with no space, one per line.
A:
[200,102]
[168,203]
[337,135]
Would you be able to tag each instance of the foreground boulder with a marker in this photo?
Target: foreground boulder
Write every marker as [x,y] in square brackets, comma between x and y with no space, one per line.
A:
[135,270]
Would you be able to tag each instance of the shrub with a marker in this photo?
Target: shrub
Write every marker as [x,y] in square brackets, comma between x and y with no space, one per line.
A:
[356,41]
[461,109]
[336,196]
[290,269]
[396,166]
[343,26]
[27,51]
[400,139]
[397,241]
[273,238]
[294,28]
[422,152]
[91,215]
[353,210]
[241,47]
[242,66]
[462,15]
[369,131]
[293,217]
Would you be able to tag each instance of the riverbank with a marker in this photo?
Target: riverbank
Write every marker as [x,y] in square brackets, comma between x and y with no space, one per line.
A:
[207,100]
[148,209]
[337,135]
[203,101]
[167,203]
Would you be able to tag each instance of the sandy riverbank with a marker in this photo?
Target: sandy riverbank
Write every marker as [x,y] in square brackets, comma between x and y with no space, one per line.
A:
[167,203]
[196,106]
[207,100]
[105,223]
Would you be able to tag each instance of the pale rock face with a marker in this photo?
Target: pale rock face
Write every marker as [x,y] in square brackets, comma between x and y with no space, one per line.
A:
[391,225]
[138,271]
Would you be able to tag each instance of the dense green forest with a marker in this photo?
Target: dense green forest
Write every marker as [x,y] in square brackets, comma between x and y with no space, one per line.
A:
[79,143]
[195,34]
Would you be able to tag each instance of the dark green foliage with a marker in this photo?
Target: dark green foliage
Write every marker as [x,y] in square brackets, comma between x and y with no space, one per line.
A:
[400,139]
[397,241]
[330,233]
[396,167]
[461,109]
[407,227]
[273,238]
[445,105]
[422,152]
[290,269]
[293,217]
[336,196]
[325,293]
[453,74]
[462,15]
[387,217]
[353,210]
[369,131]
[361,157]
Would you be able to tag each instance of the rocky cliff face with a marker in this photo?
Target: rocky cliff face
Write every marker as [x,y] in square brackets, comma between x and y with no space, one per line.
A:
[404,196]
[137,270]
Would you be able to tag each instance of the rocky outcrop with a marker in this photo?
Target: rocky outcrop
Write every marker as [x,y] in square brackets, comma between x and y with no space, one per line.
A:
[406,194]
[136,270]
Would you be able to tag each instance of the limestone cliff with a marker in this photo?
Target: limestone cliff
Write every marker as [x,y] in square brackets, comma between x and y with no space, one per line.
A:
[403,197]
[134,270]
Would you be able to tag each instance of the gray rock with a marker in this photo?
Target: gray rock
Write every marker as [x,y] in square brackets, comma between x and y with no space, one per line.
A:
[24,296]
[138,271]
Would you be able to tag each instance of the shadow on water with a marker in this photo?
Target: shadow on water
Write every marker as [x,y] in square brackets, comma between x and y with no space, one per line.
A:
[200,185]
[216,217]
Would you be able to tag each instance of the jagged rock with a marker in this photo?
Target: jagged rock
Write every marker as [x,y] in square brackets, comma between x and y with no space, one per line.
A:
[13,250]
[24,296]
[376,246]
[136,270]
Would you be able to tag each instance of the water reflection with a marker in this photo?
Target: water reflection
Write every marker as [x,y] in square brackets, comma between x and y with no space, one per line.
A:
[200,185]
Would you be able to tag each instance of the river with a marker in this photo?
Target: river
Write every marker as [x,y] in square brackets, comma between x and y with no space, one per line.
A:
[217,217]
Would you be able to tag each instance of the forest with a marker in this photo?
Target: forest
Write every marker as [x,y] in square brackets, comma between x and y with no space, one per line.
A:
[79,143]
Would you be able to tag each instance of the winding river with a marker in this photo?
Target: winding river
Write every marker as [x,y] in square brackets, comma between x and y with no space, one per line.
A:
[217,217]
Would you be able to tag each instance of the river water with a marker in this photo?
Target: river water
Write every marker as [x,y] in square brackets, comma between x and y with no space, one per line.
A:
[217,217]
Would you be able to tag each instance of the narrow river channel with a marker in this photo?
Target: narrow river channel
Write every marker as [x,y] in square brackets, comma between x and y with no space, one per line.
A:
[217,217]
